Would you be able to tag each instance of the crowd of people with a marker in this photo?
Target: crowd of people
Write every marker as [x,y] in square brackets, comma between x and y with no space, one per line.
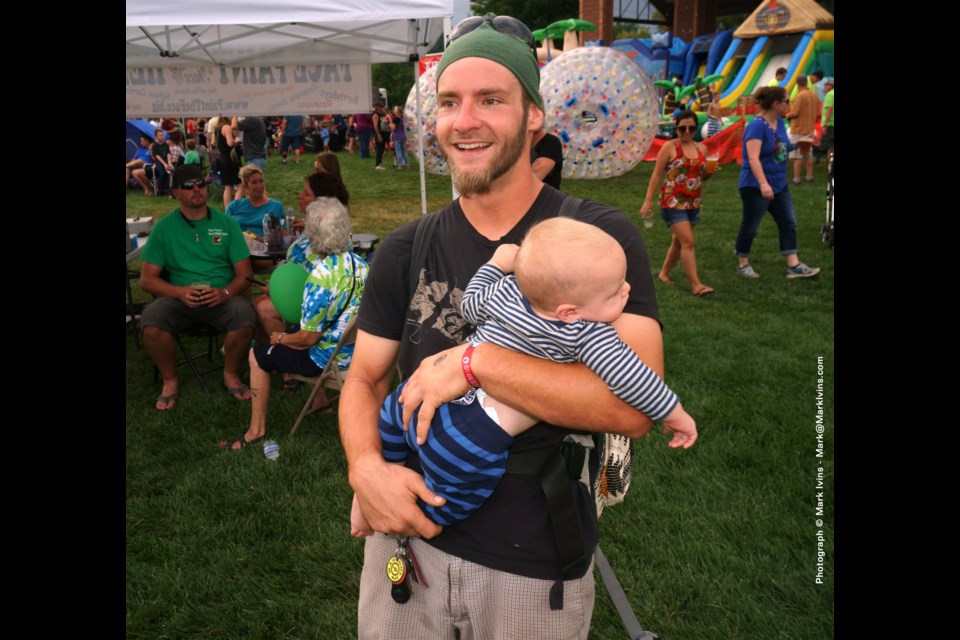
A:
[487,368]
[197,266]
[232,142]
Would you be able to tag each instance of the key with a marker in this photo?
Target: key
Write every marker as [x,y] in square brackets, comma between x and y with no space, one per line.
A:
[418,576]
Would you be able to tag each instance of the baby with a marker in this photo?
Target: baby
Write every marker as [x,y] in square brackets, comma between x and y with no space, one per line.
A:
[569,284]
[714,121]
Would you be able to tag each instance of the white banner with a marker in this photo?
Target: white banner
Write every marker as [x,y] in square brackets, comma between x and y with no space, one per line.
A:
[247,91]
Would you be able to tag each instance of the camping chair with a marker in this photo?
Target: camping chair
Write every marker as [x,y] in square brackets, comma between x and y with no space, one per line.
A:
[332,377]
[157,175]
[214,183]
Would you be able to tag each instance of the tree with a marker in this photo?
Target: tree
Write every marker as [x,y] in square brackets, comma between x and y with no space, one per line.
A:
[396,78]
[536,14]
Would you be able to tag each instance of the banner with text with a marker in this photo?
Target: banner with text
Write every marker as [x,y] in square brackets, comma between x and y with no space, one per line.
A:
[247,91]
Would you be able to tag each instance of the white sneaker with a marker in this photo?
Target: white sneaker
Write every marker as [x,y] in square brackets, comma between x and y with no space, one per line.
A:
[379,167]
[802,271]
[747,271]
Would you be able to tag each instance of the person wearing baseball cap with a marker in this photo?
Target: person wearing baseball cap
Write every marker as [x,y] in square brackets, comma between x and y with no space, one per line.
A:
[207,264]
[504,571]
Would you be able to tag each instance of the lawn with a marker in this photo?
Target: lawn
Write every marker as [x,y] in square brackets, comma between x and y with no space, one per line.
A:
[720,541]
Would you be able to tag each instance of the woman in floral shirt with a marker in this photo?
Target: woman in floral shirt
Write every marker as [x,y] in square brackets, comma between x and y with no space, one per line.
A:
[684,162]
[331,299]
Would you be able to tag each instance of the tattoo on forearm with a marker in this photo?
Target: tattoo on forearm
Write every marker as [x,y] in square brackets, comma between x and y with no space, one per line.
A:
[439,359]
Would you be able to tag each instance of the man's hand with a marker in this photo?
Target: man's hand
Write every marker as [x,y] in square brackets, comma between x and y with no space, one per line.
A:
[504,256]
[437,380]
[387,495]
[214,297]
[191,297]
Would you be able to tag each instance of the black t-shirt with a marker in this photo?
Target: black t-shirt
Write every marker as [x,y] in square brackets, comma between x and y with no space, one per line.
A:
[160,150]
[511,531]
[550,147]
[254,137]
[384,119]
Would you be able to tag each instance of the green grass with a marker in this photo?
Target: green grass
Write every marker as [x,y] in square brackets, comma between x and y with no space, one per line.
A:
[714,542]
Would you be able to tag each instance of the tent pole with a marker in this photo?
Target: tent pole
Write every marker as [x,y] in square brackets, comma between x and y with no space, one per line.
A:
[423,177]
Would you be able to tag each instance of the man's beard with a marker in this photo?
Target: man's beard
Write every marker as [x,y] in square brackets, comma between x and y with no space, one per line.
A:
[480,181]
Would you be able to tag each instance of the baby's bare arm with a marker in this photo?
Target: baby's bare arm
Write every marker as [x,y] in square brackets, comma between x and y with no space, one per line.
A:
[503,257]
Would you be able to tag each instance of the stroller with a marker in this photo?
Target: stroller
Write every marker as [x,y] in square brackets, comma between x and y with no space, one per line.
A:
[826,231]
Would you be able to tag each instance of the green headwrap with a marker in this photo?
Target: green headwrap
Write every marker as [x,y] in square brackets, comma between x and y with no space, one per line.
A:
[512,53]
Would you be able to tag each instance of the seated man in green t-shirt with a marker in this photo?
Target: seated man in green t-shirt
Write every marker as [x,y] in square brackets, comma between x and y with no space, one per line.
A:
[207,264]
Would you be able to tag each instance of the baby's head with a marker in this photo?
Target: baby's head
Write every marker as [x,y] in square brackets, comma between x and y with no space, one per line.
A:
[572,270]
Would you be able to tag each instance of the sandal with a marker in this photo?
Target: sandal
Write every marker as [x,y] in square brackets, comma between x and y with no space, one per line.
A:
[169,401]
[239,390]
[703,291]
[324,409]
[244,443]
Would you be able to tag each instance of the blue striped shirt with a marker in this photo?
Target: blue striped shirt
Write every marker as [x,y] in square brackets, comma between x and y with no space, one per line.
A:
[493,302]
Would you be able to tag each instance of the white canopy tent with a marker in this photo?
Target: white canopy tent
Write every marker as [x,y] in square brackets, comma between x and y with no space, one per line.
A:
[185,57]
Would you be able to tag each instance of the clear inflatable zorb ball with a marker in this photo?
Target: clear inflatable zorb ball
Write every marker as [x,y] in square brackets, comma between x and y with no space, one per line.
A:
[602,107]
[433,162]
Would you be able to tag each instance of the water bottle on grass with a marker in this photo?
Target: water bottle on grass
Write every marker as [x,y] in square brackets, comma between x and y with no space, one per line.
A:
[271,450]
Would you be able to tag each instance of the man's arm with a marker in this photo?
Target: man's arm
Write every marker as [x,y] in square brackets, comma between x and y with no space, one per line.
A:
[567,395]
[387,492]
[542,167]
[152,283]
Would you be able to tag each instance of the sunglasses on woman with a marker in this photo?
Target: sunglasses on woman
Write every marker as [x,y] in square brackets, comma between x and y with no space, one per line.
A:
[687,128]
[502,24]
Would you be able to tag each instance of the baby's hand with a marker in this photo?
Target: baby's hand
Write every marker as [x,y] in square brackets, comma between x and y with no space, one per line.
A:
[683,427]
[503,257]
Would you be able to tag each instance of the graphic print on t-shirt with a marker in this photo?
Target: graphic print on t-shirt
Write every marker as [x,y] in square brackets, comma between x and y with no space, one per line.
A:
[436,306]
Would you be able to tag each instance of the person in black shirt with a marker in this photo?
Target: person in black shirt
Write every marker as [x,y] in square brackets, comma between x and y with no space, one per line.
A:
[547,158]
[503,560]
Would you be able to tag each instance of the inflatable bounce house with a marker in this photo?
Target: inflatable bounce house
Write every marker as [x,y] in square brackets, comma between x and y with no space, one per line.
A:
[603,104]
[794,34]
[600,105]
[729,66]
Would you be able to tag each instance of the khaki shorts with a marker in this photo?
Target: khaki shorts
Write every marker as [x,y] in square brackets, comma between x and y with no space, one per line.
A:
[466,600]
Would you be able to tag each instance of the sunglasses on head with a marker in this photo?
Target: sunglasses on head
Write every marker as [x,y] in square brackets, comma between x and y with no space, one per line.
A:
[503,24]
[190,184]
[687,128]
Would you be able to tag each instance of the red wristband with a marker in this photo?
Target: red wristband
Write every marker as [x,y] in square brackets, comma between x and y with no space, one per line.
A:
[467,370]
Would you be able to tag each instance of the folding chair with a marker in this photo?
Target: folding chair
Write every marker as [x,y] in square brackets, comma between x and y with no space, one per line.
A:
[330,378]
[213,346]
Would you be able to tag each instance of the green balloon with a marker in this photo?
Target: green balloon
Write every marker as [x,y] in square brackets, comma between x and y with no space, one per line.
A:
[286,290]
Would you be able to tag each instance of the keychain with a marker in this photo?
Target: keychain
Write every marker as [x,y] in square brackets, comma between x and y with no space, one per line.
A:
[398,571]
